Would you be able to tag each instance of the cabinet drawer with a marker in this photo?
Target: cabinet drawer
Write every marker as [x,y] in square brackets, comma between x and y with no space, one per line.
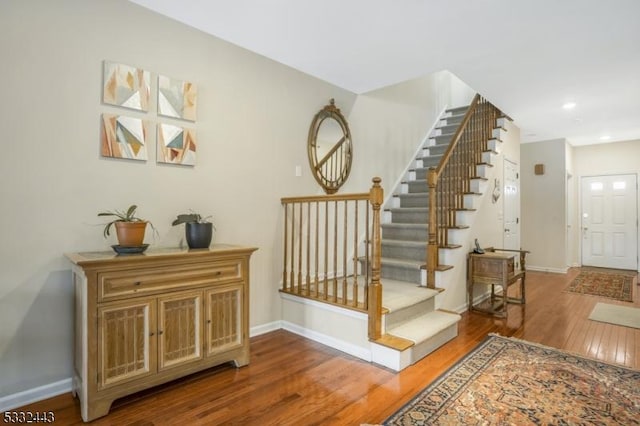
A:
[488,270]
[123,284]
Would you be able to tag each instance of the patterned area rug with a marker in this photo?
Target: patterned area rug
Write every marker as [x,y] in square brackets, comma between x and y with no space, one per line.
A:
[506,381]
[610,284]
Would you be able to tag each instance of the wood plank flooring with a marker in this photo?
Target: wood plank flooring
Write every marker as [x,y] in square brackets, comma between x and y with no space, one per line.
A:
[295,381]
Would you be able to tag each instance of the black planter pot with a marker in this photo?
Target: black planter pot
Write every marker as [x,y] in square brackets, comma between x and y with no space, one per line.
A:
[199,234]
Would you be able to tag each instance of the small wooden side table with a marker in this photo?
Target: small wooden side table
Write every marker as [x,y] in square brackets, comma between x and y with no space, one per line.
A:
[494,269]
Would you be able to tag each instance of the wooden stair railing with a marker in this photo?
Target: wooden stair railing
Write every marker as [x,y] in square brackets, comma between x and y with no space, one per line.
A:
[451,180]
[326,240]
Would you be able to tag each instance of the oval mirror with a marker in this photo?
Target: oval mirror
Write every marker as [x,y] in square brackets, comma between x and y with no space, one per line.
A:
[329,148]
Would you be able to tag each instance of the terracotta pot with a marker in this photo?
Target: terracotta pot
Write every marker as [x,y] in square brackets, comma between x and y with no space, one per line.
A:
[130,234]
[198,234]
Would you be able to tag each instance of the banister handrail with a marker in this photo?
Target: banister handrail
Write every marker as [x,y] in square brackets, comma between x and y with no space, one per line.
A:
[457,135]
[325,197]
[450,180]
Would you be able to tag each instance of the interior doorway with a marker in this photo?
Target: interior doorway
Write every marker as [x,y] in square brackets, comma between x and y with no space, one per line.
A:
[511,235]
[609,221]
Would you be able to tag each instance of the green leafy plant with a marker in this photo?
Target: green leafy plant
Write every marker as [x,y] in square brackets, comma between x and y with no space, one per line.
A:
[122,216]
[190,218]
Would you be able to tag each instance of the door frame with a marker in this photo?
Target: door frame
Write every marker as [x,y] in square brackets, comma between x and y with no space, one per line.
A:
[519,204]
[578,233]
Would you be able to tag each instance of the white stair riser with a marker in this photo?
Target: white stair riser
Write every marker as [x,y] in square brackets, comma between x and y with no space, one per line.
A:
[405,314]
[423,349]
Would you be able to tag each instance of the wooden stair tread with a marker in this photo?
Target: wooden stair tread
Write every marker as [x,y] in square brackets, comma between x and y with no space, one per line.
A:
[439,268]
[450,246]
[394,342]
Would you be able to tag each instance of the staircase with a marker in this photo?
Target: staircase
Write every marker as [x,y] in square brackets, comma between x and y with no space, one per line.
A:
[413,326]
[374,295]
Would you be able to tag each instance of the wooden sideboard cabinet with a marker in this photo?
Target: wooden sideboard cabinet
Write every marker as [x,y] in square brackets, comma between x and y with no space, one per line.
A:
[145,319]
[495,268]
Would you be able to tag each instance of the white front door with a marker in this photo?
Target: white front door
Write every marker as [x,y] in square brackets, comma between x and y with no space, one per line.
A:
[511,236]
[610,221]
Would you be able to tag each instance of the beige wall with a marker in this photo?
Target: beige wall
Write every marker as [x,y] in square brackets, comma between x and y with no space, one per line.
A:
[253,118]
[543,205]
[394,121]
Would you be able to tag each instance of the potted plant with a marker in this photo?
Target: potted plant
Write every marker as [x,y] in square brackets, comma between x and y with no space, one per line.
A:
[130,229]
[198,229]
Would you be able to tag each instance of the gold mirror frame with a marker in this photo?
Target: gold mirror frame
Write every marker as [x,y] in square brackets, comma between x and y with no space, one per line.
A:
[330,165]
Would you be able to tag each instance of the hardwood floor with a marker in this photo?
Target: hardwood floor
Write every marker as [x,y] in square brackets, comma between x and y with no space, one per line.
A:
[295,381]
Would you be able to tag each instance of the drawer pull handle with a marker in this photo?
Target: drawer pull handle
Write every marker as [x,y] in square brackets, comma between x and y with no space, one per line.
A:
[208,321]
[151,334]
[219,273]
[137,283]
[159,332]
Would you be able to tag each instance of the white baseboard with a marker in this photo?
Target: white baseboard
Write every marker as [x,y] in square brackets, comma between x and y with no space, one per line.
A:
[20,399]
[265,328]
[332,342]
[461,308]
[547,269]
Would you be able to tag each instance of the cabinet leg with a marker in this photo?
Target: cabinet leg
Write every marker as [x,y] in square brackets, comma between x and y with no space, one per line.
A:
[242,359]
[97,408]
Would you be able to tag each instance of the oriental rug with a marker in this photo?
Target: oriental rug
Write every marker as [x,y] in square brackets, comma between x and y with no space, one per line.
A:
[506,381]
[616,285]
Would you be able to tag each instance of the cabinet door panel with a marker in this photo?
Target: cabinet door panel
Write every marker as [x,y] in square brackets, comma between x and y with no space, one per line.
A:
[126,350]
[224,318]
[180,328]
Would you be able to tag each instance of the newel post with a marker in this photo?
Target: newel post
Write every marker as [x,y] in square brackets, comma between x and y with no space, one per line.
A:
[432,247]
[376,196]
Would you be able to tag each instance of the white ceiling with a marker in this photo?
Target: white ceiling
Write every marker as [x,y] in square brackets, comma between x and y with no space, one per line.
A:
[528,57]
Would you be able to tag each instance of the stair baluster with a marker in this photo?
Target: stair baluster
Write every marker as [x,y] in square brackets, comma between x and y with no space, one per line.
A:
[323,236]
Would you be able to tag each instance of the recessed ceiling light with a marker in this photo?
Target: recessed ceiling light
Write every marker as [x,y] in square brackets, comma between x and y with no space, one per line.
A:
[569,105]
[605,137]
